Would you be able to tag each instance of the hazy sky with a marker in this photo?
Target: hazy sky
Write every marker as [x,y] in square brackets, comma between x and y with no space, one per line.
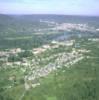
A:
[70,7]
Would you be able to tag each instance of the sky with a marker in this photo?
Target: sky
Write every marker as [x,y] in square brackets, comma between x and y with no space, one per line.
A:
[66,7]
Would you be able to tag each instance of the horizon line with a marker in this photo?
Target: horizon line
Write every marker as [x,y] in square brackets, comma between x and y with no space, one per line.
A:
[49,14]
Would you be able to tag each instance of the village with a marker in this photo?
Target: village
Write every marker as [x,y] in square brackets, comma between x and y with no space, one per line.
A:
[39,67]
[67,27]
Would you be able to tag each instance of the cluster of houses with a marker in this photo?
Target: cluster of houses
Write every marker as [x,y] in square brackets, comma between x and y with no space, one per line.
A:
[71,26]
[54,44]
[94,39]
[62,59]
[44,48]
[97,30]
[66,27]
[7,53]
